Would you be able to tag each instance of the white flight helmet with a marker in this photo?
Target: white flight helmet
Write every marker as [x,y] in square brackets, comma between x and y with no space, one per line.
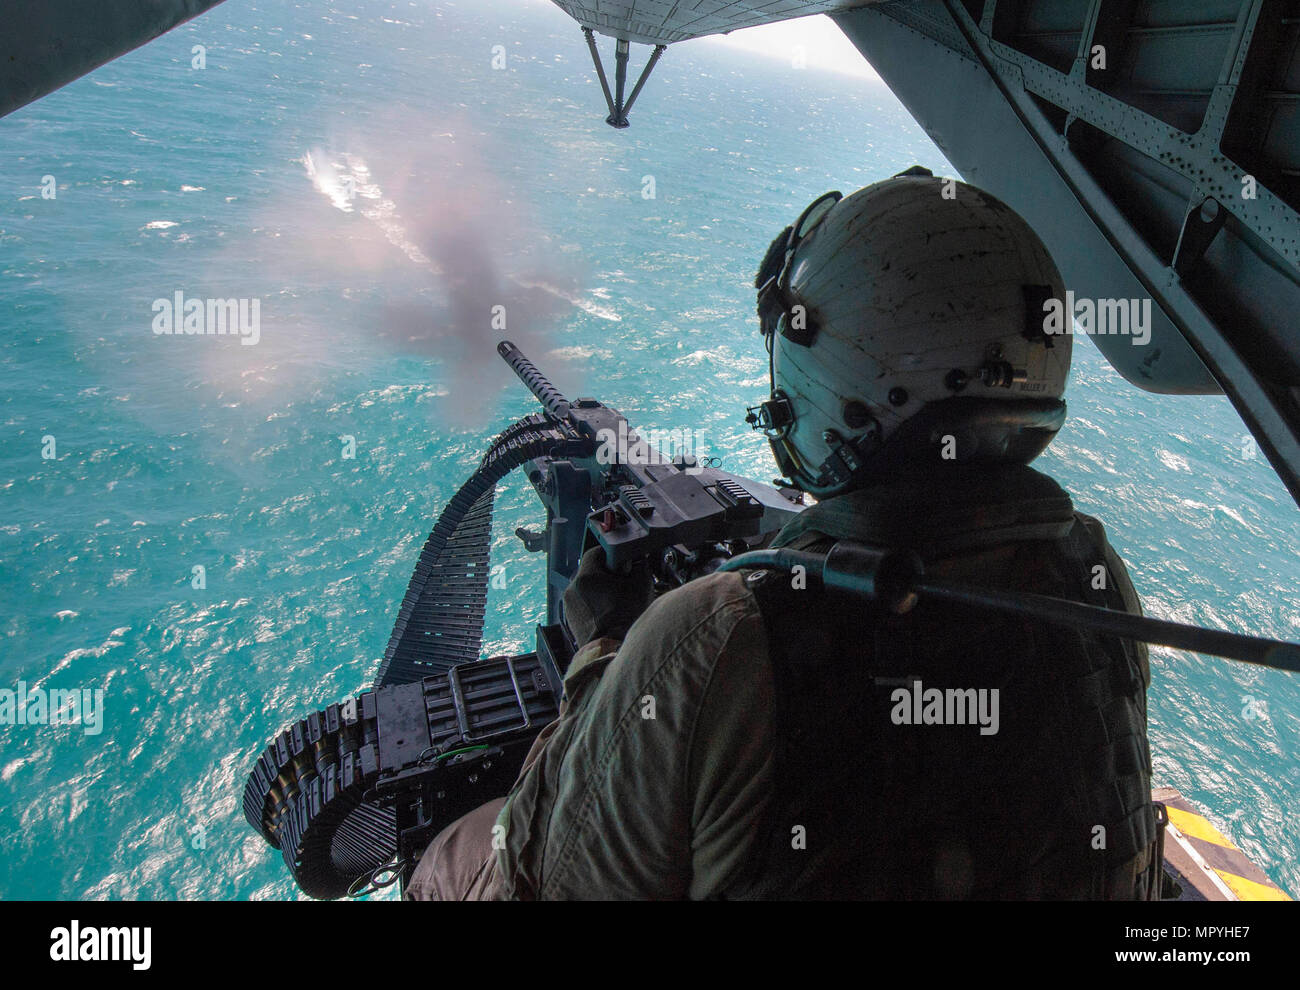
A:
[903,325]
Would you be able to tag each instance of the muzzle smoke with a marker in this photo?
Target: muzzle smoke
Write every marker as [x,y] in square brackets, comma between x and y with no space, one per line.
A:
[453,261]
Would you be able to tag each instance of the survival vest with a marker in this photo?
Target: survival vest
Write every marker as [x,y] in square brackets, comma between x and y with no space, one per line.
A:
[1028,775]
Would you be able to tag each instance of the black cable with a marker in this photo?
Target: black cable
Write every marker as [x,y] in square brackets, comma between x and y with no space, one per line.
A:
[868,567]
[1248,649]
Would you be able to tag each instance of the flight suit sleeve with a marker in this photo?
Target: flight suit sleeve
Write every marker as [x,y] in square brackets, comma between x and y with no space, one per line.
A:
[653,778]
[730,761]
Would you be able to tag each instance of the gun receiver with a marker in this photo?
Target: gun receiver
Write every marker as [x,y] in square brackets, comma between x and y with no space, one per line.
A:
[611,488]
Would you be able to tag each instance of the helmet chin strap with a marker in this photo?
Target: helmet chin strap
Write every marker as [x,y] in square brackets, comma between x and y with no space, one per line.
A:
[775,418]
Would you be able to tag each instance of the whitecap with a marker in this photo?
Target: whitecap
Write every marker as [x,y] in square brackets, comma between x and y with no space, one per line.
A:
[1173,461]
[11,769]
[586,305]
[576,353]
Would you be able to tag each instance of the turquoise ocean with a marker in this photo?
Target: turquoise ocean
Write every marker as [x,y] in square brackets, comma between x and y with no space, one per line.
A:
[367,174]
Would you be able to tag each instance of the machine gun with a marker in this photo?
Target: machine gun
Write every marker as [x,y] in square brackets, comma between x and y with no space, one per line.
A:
[352,795]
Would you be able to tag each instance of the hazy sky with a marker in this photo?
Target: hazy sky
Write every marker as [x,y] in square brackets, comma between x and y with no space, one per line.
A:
[824,45]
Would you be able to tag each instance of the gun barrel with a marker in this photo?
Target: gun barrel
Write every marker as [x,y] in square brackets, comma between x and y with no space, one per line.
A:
[552,400]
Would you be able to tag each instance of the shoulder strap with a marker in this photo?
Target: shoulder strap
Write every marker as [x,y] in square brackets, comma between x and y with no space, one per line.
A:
[1098,585]
[821,737]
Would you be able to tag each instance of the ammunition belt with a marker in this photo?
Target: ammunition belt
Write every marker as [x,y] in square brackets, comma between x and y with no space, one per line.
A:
[440,621]
[306,797]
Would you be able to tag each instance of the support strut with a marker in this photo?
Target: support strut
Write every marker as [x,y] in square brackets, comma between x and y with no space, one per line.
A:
[645,74]
[600,69]
[618,109]
[618,118]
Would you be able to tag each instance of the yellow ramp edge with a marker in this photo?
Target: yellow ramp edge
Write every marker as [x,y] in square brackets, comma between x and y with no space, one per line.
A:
[1249,890]
[1197,827]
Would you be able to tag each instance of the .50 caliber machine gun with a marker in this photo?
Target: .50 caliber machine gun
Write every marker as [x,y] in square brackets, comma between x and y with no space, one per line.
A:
[351,795]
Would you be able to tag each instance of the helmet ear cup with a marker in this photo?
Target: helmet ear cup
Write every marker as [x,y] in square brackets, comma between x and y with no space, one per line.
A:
[773,259]
[779,310]
[797,326]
